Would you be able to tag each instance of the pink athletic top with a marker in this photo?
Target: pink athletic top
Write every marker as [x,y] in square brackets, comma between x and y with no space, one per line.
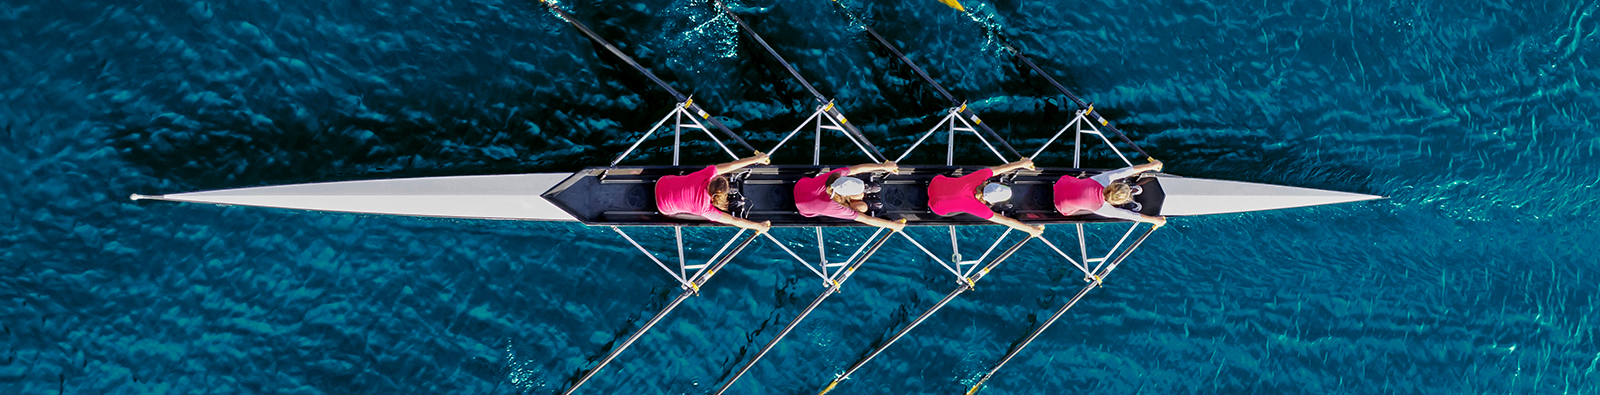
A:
[1074,195]
[687,194]
[812,199]
[947,196]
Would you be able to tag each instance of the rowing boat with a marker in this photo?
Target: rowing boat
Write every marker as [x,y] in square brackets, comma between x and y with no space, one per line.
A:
[625,196]
[619,196]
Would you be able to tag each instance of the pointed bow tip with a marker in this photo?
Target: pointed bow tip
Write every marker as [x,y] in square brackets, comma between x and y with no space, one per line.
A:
[137,197]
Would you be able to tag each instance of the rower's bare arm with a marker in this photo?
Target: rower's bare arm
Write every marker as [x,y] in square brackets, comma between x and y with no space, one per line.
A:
[733,166]
[1031,230]
[881,223]
[1158,221]
[1110,211]
[1021,164]
[760,227]
[888,166]
[1130,171]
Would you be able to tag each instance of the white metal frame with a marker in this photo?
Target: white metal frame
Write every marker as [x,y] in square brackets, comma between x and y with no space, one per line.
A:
[950,125]
[1078,125]
[825,118]
[678,114]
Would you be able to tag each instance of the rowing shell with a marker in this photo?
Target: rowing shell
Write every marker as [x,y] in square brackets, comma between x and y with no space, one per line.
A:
[625,196]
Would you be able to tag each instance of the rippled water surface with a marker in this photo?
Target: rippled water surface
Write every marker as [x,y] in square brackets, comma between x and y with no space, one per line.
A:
[1475,118]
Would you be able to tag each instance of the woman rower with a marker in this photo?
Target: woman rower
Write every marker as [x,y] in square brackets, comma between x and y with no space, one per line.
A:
[1101,194]
[704,194]
[973,193]
[839,195]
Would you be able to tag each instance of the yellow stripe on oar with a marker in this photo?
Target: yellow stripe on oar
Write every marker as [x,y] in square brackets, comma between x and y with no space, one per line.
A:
[954,4]
[835,383]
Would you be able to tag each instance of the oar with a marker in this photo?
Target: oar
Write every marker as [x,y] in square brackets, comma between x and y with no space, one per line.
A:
[697,282]
[1089,107]
[849,128]
[845,276]
[965,113]
[1062,311]
[625,59]
[966,284]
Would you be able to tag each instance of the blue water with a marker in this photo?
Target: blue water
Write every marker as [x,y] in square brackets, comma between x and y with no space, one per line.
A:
[1475,118]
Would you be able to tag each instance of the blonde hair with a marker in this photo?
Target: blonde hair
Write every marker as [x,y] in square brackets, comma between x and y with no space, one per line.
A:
[719,192]
[1118,194]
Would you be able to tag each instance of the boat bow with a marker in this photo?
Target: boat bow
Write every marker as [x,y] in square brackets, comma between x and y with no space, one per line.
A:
[506,197]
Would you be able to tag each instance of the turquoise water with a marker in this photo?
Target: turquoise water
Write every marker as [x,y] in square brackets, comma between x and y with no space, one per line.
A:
[1475,118]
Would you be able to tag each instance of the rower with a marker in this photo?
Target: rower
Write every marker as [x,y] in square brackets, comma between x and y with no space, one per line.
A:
[1101,194]
[967,194]
[704,194]
[839,195]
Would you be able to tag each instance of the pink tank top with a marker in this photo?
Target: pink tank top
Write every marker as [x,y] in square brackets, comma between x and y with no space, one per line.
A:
[1078,194]
[687,194]
[812,199]
[947,196]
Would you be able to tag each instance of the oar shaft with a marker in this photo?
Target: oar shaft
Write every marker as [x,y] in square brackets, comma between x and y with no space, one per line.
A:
[1061,311]
[1075,99]
[926,78]
[907,61]
[652,76]
[698,281]
[903,332]
[1032,335]
[821,99]
[752,33]
[965,285]
[834,288]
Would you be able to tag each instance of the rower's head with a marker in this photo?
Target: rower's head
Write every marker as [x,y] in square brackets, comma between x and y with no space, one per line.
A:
[846,185]
[995,192]
[1118,194]
[719,192]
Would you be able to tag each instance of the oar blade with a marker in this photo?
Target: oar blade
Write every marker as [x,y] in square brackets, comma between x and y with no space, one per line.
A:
[954,4]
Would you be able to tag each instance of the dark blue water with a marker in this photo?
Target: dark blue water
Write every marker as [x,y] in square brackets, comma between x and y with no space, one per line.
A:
[1475,118]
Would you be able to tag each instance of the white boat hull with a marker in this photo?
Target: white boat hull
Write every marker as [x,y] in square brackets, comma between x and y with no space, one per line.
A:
[507,197]
[1198,196]
[519,197]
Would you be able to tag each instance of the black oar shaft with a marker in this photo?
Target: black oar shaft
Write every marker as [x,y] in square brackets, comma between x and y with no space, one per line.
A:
[1075,99]
[924,74]
[824,100]
[629,60]
[698,281]
[966,285]
[1061,311]
[834,288]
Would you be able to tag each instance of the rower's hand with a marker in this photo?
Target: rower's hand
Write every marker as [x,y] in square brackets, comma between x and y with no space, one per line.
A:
[1037,230]
[1027,164]
[1155,165]
[899,225]
[762,158]
[891,167]
[762,227]
[1159,222]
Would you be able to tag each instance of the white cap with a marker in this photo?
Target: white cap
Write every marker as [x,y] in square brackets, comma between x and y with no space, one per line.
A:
[995,193]
[848,186]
